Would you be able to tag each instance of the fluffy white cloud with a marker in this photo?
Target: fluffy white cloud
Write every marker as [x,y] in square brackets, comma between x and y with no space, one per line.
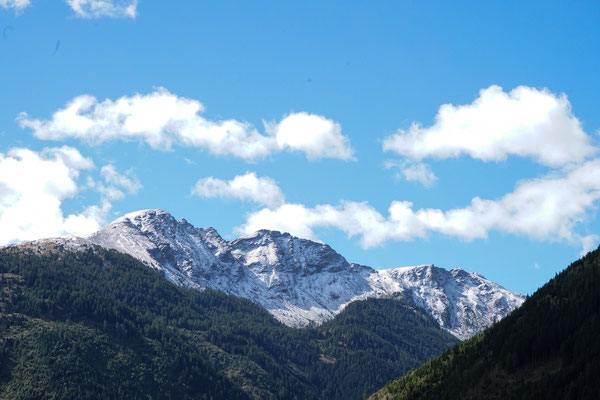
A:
[350,217]
[413,172]
[260,190]
[16,4]
[161,119]
[104,8]
[548,208]
[315,135]
[524,122]
[34,185]
[32,188]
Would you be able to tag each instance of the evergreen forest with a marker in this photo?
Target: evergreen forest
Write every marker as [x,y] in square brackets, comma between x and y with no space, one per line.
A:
[99,324]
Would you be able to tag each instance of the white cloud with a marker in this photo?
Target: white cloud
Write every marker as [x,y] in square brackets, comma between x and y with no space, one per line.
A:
[87,8]
[413,172]
[113,186]
[127,181]
[16,4]
[525,122]
[317,136]
[104,8]
[355,219]
[32,187]
[549,208]
[260,190]
[70,156]
[161,119]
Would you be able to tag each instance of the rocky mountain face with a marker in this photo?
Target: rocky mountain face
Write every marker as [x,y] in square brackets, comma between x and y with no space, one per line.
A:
[297,280]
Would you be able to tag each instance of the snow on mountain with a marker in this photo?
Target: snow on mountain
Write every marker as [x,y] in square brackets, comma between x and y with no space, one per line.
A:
[297,280]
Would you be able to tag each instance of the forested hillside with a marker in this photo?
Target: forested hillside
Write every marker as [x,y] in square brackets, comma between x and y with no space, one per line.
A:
[546,349]
[99,324]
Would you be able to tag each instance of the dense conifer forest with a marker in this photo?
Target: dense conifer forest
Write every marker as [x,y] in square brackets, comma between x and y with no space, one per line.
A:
[99,324]
[549,348]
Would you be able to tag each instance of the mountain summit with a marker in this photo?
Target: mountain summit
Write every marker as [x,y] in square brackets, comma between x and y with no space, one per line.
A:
[300,281]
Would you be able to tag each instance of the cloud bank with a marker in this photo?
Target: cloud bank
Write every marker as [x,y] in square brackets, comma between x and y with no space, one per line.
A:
[162,119]
[547,208]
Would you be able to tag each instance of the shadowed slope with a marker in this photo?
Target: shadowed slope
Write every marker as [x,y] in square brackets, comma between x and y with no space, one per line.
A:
[95,323]
[546,349]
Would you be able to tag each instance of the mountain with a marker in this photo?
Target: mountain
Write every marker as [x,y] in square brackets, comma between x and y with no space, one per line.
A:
[546,349]
[80,321]
[300,281]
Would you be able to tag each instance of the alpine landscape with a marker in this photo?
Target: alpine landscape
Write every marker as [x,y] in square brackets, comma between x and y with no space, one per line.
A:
[299,200]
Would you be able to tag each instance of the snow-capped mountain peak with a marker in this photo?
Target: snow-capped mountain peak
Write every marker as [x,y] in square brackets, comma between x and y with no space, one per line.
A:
[298,280]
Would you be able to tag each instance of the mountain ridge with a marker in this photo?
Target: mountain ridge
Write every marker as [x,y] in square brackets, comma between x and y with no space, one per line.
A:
[297,280]
[97,323]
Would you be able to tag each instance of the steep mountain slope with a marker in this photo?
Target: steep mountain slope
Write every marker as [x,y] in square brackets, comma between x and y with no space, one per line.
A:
[94,323]
[546,349]
[297,280]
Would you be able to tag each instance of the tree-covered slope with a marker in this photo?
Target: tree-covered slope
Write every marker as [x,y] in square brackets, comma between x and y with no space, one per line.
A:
[369,340]
[549,348]
[99,324]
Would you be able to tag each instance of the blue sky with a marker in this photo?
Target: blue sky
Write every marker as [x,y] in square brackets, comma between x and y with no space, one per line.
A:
[330,116]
